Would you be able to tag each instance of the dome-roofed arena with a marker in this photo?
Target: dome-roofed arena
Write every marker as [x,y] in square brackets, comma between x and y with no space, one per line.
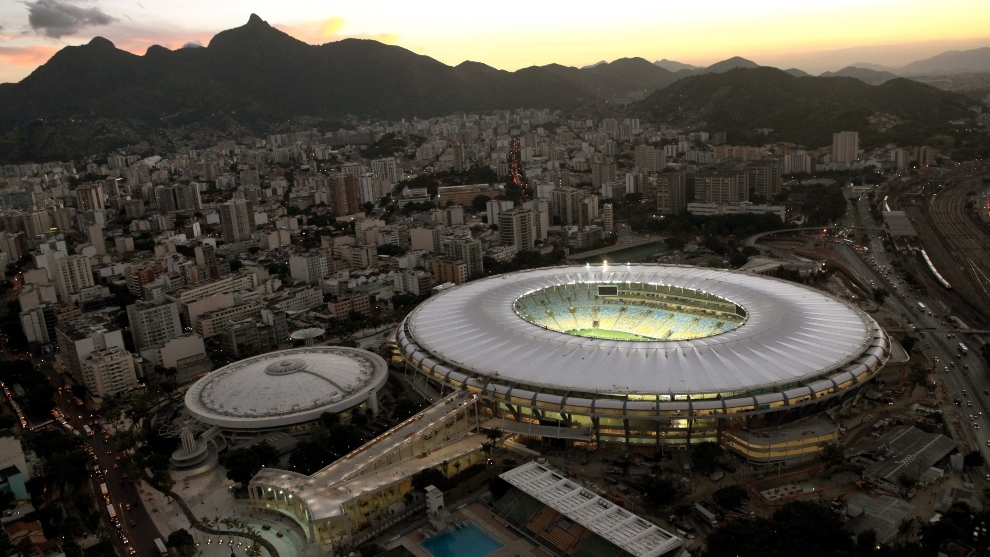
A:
[642,353]
[286,388]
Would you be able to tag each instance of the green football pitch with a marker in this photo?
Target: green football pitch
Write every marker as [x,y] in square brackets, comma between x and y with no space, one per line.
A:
[606,334]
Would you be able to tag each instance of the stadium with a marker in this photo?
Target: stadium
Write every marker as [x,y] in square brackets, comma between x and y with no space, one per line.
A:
[641,354]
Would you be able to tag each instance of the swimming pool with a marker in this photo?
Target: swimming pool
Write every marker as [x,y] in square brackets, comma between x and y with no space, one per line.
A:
[467,541]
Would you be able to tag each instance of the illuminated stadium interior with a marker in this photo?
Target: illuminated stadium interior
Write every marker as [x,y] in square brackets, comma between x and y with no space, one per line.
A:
[630,311]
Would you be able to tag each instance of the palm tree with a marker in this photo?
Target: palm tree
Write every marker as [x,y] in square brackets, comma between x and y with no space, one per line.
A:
[488,447]
[494,435]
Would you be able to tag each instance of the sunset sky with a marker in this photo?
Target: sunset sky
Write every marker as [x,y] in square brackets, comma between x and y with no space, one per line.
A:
[813,36]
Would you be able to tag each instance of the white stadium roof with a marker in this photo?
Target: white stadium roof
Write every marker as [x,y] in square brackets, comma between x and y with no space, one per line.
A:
[285,387]
[792,334]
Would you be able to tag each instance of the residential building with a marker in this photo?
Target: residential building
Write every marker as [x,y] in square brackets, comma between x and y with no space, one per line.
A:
[496,206]
[72,275]
[308,267]
[602,172]
[608,219]
[648,158]
[110,371]
[385,169]
[515,228]
[81,337]
[153,323]
[450,270]
[426,239]
[671,191]
[346,303]
[710,209]
[764,177]
[845,147]
[466,250]
[237,220]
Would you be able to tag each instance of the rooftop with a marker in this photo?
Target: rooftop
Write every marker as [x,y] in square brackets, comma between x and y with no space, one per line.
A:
[906,450]
[286,387]
[615,524]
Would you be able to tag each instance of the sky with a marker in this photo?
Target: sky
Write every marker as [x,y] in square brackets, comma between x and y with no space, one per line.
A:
[812,35]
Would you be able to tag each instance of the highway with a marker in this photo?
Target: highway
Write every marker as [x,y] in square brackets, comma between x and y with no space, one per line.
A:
[950,369]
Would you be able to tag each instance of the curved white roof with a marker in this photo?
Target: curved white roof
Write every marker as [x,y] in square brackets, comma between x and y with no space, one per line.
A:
[286,387]
[791,334]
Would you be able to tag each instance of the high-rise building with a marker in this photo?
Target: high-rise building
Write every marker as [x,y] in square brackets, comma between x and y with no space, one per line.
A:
[496,206]
[648,158]
[89,197]
[541,217]
[385,169]
[309,267]
[72,275]
[237,220]
[345,195]
[602,172]
[36,223]
[798,162]
[109,371]
[468,251]
[764,177]
[178,197]
[608,219]
[153,323]
[81,337]
[96,239]
[671,193]
[845,147]
[515,228]
[721,186]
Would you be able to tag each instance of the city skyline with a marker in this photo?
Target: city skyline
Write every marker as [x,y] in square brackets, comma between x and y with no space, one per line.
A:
[845,32]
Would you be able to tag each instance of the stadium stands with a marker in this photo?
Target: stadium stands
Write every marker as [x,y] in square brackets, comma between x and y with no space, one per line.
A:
[577,309]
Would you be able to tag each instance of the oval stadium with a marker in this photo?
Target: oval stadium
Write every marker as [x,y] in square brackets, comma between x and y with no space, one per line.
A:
[641,354]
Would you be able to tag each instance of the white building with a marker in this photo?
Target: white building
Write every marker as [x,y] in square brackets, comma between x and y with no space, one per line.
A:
[72,275]
[153,323]
[845,147]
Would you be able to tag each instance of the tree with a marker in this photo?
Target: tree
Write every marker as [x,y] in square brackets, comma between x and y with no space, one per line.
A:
[973,459]
[183,542]
[908,342]
[494,435]
[812,530]
[480,203]
[831,454]
[243,464]
[866,543]
[430,476]
[880,294]
[705,457]
[660,492]
[731,497]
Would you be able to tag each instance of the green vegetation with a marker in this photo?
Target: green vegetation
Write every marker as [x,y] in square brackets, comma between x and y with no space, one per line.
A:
[183,542]
[730,497]
[799,528]
[804,110]
[523,260]
[705,457]
[243,464]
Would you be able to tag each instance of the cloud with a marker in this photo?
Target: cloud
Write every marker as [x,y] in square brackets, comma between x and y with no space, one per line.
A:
[26,55]
[328,30]
[193,44]
[57,19]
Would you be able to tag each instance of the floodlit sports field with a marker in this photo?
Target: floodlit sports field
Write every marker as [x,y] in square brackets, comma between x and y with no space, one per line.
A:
[601,333]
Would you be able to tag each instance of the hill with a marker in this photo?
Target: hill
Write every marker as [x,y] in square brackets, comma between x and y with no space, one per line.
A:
[873,77]
[673,66]
[976,60]
[805,110]
[257,74]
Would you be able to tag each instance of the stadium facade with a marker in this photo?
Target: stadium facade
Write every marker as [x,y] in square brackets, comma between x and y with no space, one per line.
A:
[641,354]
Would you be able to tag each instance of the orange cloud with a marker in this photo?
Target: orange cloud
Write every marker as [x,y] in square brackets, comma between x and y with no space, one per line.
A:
[26,55]
[328,31]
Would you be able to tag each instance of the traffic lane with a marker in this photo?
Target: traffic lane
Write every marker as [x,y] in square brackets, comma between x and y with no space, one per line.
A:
[122,492]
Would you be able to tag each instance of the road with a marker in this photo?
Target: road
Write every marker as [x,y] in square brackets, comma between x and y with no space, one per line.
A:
[956,373]
[142,534]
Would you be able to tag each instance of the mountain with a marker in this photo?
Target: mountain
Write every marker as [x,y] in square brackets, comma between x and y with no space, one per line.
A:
[877,67]
[873,77]
[673,66]
[256,73]
[730,64]
[598,63]
[805,110]
[951,62]
[797,73]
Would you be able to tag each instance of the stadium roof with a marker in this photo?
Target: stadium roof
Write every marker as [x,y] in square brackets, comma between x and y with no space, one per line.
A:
[615,524]
[792,334]
[285,387]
